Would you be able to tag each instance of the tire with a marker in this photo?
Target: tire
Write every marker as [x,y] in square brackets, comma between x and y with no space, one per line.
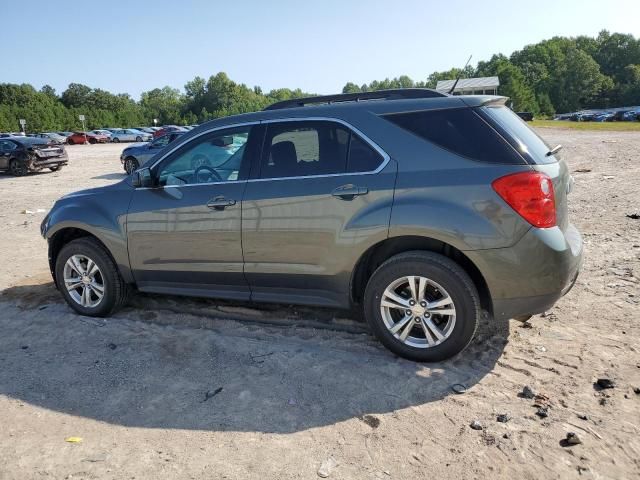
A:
[116,140]
[70,142]
[138,139]
[92,141]
[17,168]
[56,168]
[130,165]
[115,290]
[444,279]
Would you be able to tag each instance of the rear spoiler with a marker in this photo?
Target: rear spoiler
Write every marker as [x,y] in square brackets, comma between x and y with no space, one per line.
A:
[484,100]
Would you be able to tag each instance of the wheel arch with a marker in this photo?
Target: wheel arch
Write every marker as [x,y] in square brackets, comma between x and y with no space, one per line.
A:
[382,251]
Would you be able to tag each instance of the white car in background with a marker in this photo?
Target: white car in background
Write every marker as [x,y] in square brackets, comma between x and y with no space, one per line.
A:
[130,135]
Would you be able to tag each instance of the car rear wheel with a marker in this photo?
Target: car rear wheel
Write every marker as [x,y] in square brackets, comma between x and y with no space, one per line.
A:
[70,141]
[130,165]
[17,168]
[422,306]
[88,278]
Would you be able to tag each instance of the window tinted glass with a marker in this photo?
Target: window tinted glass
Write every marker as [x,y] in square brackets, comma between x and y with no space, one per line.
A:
[294,149]
[461,131]
[526,139]
[7,146]
[362,157]
[211,158]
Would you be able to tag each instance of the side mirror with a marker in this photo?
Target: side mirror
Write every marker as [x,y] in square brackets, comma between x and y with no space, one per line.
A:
[142,178]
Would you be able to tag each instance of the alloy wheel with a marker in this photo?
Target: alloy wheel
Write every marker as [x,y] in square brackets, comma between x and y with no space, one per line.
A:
[418,311]
[84,281]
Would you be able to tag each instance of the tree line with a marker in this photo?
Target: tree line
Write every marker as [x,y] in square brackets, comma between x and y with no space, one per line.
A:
[556,75]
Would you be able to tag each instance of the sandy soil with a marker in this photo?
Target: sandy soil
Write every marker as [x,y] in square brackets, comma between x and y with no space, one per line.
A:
[176,388]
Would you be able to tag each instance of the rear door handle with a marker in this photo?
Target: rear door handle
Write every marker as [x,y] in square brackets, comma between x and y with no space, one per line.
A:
[220,203]
[348,192]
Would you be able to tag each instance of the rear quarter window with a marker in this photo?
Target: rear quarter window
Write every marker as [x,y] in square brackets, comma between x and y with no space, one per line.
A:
[461,131]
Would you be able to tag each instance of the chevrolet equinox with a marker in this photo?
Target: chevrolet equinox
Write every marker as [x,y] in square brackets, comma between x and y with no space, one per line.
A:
[420,208]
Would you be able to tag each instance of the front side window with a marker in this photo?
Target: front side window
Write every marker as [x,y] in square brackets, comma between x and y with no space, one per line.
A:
[7,146]
[215,157]
[308,148]
[161,142]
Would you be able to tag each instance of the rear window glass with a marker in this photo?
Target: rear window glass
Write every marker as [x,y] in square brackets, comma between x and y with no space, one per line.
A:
[461,131]
[527,141]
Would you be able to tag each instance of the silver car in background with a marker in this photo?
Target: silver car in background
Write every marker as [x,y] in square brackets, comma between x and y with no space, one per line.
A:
[130,135]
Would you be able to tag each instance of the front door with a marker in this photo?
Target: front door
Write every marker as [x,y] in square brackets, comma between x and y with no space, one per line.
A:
[184,234]
[322,196]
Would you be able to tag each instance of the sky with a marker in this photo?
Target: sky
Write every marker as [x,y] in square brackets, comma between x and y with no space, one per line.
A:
[137,45]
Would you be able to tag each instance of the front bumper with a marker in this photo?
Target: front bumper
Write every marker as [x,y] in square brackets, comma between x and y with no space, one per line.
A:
[529,277]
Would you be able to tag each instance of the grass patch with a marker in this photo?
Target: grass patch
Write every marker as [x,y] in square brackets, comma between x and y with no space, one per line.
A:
[605,126]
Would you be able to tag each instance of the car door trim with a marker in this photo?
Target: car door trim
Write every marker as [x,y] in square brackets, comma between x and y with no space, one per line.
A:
[371,143]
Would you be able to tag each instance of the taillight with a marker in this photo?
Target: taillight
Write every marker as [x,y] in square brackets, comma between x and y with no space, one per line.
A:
[530,194]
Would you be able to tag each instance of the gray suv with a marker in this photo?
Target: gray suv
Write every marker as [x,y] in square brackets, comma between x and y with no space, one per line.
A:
[422,209]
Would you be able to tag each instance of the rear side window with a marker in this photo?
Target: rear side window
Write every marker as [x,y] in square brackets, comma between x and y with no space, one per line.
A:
[461,131]
[308,148]
[525,139]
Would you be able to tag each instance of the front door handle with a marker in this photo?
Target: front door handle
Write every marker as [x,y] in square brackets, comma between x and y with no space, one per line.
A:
[349,191]
[220,203]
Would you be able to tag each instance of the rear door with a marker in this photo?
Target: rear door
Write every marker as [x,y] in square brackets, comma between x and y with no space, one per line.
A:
[320,196]
[6,150]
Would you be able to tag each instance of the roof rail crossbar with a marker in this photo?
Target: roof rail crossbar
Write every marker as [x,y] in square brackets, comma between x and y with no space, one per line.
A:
[390,94]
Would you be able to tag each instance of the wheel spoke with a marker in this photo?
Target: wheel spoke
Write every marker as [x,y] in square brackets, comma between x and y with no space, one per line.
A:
[91,267]
[422,286]
[412,287]
[97,287]
[76,265]
[427,335]
[407,329]
[72,286]
[98,293]
[443,311]
[434,329]
[84,299]
[441,302]
[393,300]
[398,326]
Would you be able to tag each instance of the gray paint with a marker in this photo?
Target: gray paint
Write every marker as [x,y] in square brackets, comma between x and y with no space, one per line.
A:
[290,240]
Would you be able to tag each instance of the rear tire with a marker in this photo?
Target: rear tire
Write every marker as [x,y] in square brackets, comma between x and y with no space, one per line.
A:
[130,165]
[428,336]
[114,290]
[17,168]
[70,142]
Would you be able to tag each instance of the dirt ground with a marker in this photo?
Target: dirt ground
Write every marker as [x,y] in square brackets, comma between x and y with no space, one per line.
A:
[177,388]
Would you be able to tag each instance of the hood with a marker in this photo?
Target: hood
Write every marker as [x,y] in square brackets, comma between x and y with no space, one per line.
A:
[121,185]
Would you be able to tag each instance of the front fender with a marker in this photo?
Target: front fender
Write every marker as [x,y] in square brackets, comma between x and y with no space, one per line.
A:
[102,215]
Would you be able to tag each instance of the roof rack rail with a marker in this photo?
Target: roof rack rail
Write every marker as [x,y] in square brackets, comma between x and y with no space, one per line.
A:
[390,94]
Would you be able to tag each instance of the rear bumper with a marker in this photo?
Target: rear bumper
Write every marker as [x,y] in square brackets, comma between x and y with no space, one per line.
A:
[37,165]
[529,277]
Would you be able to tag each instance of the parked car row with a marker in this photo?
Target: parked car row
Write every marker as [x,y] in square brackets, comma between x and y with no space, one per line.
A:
[104,135]
[603,116]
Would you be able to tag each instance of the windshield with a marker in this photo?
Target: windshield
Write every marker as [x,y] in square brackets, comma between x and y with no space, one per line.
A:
[528,141]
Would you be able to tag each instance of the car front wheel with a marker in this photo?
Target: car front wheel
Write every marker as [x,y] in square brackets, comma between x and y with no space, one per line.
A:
[89,279]
[130,165]
[17,168]
[422,306]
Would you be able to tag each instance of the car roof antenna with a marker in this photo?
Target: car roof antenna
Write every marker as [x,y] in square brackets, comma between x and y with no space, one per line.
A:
[459,75]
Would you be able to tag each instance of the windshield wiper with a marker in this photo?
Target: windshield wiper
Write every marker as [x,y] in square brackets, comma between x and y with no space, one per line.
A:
[554,150]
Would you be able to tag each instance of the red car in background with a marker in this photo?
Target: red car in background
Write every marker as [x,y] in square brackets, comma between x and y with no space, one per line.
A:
[78,138]
[168,129]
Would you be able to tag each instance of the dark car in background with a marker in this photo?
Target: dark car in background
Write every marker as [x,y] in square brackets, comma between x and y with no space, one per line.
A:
[418,208]
[168,129]
[135,155]
[21,155]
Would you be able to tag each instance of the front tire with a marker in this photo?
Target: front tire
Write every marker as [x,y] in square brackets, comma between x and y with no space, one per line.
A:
[138,139]
[422,306]
[70,142]
[56,168]
[18,168]
[116,140]
[88,278]
[130,165]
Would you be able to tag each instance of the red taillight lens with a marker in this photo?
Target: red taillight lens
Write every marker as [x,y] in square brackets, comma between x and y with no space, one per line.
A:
[531,195]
